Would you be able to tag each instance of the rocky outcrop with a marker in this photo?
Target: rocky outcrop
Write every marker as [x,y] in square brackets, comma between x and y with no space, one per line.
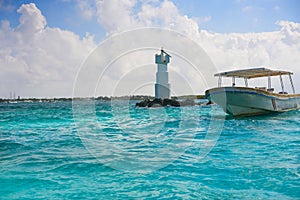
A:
[164,102]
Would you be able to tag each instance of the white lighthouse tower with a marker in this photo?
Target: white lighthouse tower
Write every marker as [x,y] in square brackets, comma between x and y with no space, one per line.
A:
[162,86]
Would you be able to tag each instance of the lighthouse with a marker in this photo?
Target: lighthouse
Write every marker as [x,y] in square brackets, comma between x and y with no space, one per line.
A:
[162,86]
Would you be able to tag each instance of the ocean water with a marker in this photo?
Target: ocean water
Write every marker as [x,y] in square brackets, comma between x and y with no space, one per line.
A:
[112,150]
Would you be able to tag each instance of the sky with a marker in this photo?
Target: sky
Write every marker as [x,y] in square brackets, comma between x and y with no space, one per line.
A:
[43,44]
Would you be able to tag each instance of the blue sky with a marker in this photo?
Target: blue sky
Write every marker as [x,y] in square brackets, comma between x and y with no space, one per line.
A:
[222,16]
[63,14]
[242,15]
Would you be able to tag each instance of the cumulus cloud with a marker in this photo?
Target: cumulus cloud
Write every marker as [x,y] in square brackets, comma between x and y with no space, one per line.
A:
[277,49]
[116,16]
[31,20]
[37,60]
[168,16]
[86,9]
[226,50]
[255,49]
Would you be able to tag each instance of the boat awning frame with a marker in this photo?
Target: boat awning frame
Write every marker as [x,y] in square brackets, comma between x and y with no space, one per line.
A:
[253,73]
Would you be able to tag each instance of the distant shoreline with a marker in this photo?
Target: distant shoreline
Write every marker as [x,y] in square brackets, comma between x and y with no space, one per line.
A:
[104,98]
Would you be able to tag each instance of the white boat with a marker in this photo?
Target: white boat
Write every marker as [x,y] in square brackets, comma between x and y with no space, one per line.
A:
[245,101]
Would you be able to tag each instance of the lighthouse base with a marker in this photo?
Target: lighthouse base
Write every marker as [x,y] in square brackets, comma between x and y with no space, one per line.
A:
[162,91]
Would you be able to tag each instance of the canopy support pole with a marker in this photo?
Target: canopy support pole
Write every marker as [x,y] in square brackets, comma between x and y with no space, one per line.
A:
[269,81]
[246,82]
[220,81]
[281,82]
[292,84]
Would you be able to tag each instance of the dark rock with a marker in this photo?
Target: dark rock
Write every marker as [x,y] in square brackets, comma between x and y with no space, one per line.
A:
[170,102]
[164,102]
[143,103]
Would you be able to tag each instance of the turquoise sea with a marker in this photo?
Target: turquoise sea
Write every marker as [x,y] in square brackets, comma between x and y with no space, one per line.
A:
[54,150]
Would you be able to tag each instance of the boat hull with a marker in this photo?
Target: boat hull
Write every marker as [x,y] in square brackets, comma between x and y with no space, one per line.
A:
[243,101]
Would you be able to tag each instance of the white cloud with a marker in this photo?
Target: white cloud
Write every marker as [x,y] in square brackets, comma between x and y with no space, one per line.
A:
[116,15]
[36,60]
[290,32]
[86,9]
[276,8]
[31,20]
[277,49]
[247,8]
[167,15]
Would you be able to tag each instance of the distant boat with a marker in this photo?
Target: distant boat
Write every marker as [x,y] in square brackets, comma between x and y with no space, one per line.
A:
[246,101]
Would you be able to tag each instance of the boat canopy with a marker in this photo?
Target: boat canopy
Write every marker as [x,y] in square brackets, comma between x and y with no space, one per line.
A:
[253,73]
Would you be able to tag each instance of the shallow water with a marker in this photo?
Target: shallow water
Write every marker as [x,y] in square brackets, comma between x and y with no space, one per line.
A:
[119,151]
